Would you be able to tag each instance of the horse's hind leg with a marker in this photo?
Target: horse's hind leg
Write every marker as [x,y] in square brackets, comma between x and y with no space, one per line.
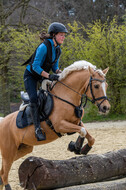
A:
[1,184]
[4,174]
[7,161]
[8,154]
[23,150]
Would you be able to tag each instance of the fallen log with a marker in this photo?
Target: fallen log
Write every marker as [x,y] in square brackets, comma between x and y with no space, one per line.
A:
[38,173]
[118,184]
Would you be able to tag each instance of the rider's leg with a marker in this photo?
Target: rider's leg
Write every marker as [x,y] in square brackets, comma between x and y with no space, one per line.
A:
[36,120]
[31,88]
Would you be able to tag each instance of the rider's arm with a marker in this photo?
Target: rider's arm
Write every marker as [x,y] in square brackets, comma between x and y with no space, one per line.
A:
[45,74]
[39,59]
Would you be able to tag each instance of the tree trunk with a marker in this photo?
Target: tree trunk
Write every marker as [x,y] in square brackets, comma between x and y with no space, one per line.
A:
[37,173]
[5,94]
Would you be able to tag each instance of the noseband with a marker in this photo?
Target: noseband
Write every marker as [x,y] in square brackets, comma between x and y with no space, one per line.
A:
[103,98]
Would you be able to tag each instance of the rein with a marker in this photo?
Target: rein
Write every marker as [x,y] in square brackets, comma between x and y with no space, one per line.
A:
[70,88]
[62,99]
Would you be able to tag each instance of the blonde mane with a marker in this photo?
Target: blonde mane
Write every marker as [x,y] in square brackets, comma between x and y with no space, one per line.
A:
[78,65]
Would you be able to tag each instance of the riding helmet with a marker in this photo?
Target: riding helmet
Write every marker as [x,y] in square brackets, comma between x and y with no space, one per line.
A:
[56,27]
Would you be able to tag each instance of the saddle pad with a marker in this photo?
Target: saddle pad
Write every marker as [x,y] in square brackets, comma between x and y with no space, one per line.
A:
[24,118]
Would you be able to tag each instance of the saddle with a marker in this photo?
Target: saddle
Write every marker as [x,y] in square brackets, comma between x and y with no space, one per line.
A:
[45,103]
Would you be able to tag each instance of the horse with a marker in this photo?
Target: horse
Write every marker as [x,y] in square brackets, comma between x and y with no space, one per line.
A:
[76,81]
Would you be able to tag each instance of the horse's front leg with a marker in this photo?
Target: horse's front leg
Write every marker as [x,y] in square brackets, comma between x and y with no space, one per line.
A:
[87,147]
[90,139]
[68,127]
[77,148]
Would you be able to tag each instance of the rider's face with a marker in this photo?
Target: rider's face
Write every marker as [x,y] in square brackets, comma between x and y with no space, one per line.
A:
[60,37]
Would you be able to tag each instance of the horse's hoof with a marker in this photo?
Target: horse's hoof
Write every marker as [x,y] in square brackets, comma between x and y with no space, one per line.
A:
[79,142]
[8,187]
[86,148]
[72,148]
[1,184]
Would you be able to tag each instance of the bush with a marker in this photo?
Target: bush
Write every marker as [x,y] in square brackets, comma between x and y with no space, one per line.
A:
[104,46]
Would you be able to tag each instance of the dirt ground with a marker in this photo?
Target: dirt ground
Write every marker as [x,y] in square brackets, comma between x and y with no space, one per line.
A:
[109,136]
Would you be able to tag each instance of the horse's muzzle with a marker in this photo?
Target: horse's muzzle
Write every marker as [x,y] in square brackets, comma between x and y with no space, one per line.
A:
[104,108]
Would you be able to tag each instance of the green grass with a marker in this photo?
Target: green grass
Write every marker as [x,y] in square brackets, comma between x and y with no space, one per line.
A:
[92,115]
[1,115]
[110,117]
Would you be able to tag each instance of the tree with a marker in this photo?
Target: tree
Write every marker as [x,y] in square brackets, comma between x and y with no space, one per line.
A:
[104,45]
[5,52]
[89,11]
[19,46]
[7,41]
[11,42]
[38,13]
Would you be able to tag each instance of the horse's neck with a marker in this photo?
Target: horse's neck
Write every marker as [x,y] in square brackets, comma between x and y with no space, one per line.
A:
[77,81]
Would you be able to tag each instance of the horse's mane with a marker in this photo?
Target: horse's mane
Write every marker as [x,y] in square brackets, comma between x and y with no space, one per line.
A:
[79,65]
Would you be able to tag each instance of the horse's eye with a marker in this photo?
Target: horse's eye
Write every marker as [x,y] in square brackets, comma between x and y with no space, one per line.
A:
[96,86]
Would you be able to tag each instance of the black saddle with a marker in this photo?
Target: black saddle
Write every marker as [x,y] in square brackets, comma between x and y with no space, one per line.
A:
[45,103]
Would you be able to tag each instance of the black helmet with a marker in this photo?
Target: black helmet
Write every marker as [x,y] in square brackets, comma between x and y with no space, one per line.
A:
[56,27]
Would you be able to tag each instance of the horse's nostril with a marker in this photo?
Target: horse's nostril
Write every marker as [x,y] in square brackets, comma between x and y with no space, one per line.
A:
[105,108]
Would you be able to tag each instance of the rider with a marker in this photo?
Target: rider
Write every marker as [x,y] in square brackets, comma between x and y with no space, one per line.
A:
[39,67]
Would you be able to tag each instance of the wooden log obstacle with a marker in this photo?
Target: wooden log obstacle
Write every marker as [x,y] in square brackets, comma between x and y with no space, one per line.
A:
[38,173]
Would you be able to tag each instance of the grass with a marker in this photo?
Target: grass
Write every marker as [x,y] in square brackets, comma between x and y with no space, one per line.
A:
[92,115]
[110,117]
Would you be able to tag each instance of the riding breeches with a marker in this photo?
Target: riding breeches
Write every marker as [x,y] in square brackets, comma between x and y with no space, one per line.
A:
[30,86]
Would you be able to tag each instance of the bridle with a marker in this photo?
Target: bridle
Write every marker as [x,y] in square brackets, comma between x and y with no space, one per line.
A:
[83,105]
[103,98]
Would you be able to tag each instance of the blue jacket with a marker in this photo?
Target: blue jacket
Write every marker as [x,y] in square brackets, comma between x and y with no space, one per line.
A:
[40,57]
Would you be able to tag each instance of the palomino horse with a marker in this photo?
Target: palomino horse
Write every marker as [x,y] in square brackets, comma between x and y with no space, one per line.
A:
[79,78]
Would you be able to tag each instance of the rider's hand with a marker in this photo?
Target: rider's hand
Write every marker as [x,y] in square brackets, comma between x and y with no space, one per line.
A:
[53,77]
[58,71]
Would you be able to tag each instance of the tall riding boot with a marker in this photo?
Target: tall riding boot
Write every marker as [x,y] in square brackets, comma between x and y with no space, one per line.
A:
[36,121]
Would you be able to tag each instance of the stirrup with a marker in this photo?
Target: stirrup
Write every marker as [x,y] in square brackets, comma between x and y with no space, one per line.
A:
[39,135]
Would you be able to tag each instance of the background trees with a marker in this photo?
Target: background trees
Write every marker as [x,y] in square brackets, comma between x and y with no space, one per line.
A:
[95,35]
[105,46]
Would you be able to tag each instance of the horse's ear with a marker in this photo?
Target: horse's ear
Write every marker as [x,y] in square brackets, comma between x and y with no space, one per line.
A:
[91,70]
[105,70]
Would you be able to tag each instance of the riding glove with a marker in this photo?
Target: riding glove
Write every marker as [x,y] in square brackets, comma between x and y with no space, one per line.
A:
[53,77]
